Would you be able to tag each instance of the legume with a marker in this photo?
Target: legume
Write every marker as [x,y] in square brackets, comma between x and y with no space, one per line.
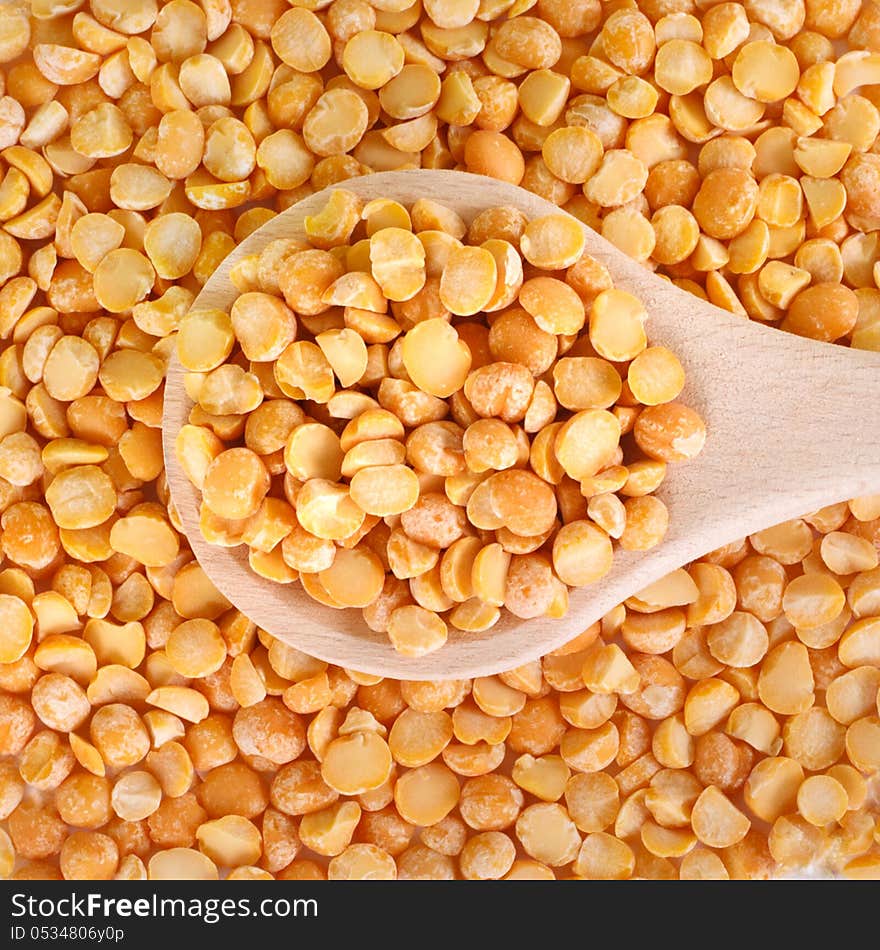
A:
[120,150]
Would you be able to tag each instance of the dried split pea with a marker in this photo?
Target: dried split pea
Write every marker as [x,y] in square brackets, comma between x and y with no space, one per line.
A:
[435,357]
[415,631]
[553,242]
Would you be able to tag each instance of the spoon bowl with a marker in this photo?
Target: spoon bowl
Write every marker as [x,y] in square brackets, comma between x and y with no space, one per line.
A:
[793,425]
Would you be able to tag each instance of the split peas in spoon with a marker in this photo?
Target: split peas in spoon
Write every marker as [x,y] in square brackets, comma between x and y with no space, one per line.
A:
[431,422]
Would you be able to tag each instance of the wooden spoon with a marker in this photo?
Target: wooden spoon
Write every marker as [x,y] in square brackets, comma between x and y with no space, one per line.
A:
[793,425]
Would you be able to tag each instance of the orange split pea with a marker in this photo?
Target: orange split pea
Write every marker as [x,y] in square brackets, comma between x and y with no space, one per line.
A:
[433,501]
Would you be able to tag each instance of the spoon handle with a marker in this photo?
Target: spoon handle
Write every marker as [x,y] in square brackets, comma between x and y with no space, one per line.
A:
[832,442]
[793,424]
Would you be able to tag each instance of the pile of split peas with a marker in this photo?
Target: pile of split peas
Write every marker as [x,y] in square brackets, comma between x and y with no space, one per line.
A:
[724,723]
[382,502]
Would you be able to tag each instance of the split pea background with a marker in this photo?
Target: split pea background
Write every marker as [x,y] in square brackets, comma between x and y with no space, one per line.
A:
[732,147]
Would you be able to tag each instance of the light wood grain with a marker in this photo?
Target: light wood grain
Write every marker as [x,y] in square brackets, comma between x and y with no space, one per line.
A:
[793,425]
